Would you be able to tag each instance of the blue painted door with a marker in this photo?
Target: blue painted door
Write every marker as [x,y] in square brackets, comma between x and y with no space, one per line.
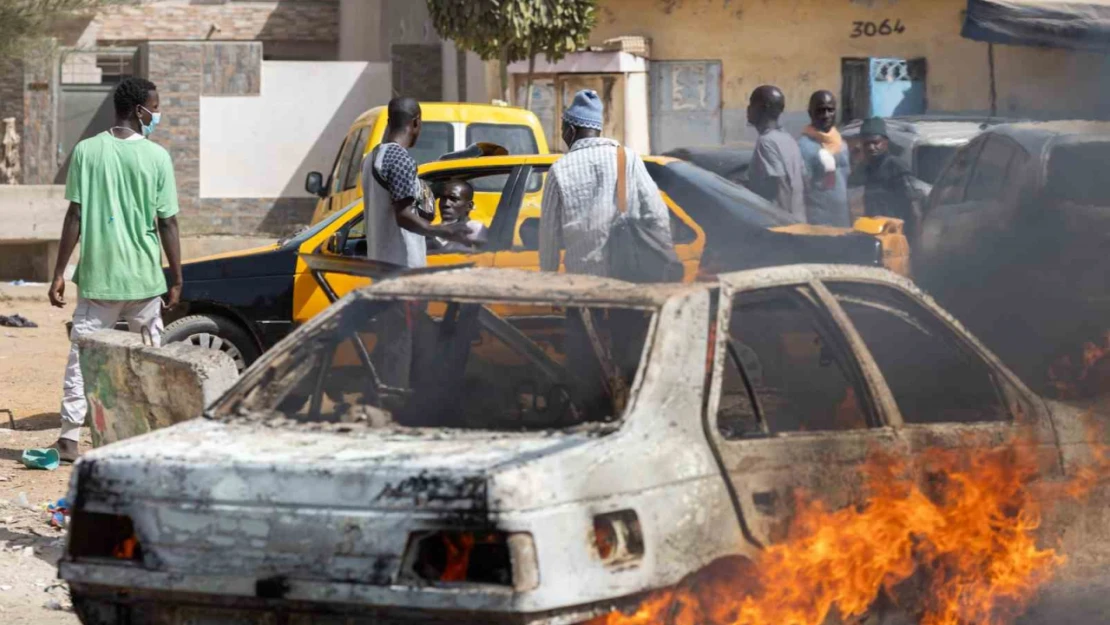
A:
[897,87]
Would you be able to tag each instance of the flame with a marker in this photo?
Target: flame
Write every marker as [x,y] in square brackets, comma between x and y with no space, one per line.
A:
[1071,381]
[125,550]
[949,539]
[459,546]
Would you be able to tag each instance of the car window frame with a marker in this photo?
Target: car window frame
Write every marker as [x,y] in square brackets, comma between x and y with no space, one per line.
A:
[1014,150]
[333,174]
[359,148]
[972,149]
[1008,390]
[814,298]
[344,165]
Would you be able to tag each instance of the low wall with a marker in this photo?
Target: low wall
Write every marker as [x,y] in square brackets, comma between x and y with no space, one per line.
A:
[31,213]
[133,389]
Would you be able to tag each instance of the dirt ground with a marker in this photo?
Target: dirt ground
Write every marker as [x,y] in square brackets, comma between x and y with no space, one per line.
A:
[31,365]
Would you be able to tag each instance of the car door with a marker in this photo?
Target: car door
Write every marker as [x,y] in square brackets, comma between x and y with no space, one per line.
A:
[949,392]
[791,409]
[972,212]
[349,239]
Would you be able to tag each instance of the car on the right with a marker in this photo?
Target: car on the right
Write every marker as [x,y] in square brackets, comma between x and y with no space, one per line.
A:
[923,143]
[1015,241]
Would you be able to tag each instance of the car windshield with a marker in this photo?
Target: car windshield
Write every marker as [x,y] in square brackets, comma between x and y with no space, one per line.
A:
[436,139]
[451,364]
[929,161]
[514,138]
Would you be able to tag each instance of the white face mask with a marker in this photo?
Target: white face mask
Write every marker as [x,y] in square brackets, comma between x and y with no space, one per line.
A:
[154,119]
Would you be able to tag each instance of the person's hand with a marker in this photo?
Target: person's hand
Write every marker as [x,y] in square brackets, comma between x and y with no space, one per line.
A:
[58,292]
[458,231]
[173,295]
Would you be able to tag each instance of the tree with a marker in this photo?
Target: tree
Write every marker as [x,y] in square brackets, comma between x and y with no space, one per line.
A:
[514,30]
[25,21]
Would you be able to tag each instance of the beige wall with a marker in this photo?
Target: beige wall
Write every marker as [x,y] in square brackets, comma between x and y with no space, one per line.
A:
[798,45]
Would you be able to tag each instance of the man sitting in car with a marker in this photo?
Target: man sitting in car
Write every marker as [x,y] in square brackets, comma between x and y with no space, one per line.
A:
[455,203]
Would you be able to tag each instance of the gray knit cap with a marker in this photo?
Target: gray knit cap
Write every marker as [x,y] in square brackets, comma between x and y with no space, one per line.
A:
[586,111]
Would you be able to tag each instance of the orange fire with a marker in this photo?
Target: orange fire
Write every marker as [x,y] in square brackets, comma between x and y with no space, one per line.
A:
[125,550]
[459,547]
[947,540]
[1072,381]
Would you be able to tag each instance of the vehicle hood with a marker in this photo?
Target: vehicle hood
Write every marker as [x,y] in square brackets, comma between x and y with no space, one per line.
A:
[213,462]
[271,260]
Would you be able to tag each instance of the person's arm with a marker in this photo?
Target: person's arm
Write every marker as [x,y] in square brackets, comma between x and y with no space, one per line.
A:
[783,193]
[71,233]
[767,174]
[171,245]
[551,225]
[398,171]
[166,210]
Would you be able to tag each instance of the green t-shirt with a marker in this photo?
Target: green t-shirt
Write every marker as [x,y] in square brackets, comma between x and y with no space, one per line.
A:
[123,187]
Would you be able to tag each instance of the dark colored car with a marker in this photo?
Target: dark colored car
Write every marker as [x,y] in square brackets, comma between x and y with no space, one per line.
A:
[1015,241]
[924,143]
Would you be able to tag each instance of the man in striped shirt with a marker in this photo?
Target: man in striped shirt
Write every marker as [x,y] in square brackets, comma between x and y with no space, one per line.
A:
[580,196]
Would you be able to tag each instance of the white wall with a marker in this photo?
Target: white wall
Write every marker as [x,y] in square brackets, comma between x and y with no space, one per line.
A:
[263,146]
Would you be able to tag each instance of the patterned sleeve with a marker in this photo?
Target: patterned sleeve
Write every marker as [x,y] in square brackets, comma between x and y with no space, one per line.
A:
[398,170]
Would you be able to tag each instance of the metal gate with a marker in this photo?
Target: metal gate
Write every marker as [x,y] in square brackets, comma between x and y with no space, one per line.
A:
[85,100]
[685,104]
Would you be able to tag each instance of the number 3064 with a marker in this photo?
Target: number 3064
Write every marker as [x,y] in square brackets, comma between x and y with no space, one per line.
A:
[882,29]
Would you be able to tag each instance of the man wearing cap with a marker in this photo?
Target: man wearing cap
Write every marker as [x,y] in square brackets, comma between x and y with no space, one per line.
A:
[888,185]
[577,213]
[579,197]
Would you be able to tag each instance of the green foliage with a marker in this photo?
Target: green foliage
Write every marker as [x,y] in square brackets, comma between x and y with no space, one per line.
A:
[514,30]
[24,21]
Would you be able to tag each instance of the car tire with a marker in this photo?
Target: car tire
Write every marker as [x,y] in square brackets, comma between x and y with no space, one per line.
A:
[215,332]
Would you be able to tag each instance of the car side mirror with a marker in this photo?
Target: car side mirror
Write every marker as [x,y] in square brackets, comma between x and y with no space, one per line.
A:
[314,184]
[530,233]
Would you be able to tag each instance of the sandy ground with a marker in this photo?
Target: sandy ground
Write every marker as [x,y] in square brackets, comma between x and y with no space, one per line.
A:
[31,366]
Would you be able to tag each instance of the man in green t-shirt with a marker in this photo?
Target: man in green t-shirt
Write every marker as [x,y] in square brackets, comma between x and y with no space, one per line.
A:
[122,206]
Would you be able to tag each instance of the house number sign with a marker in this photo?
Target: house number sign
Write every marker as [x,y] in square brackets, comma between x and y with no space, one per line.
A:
[884,28]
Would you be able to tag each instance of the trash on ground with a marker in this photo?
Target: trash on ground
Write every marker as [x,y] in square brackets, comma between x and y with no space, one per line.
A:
[17,321]
[59,513]
[47,459]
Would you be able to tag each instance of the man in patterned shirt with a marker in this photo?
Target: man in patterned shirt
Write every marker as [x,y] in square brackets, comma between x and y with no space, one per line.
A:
[577,213]
[393,200]
[579,197]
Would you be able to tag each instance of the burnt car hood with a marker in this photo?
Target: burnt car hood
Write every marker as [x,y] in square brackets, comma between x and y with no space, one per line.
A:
[212,462]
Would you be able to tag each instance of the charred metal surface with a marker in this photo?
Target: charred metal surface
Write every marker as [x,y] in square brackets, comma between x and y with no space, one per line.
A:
[260,513]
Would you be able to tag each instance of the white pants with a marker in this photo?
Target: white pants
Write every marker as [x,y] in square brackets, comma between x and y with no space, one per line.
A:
[93,315]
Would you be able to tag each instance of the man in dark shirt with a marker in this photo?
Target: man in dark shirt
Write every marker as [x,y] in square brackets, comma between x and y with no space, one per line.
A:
[777,171]
[888,185]
[455,204]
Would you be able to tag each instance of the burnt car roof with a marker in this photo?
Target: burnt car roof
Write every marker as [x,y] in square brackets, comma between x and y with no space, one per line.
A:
[952,130]
[488,284]
[1033,135]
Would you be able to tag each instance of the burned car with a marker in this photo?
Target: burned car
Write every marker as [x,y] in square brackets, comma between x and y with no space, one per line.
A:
[429,448]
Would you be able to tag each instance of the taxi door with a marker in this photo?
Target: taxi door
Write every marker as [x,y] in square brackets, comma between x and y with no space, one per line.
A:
[347,240]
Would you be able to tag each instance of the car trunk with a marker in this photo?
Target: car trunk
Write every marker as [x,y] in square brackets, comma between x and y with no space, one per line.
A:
[211,498]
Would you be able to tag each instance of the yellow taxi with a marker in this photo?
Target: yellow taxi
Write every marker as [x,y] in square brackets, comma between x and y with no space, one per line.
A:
[446,127]
[242,303]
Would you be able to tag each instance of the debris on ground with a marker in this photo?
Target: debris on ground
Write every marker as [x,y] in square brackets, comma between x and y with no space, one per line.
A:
[47,458]
[17,321]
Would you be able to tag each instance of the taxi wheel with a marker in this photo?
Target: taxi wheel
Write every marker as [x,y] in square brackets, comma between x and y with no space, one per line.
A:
[214,332]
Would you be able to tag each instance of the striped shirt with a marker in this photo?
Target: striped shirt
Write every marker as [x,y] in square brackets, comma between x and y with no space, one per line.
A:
[580,204]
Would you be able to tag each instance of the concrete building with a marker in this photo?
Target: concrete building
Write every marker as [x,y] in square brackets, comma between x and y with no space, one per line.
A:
[254,95]
[881,56]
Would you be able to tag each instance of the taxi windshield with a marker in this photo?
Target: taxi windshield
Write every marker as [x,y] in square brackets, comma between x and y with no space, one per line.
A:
[451,364]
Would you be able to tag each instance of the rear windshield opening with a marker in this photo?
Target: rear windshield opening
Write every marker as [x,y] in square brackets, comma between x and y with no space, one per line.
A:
[437,364]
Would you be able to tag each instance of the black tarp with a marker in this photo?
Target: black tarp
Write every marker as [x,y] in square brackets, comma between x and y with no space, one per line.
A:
[1052,23]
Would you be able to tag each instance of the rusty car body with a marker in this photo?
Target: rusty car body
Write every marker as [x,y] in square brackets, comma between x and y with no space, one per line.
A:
[289,502]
